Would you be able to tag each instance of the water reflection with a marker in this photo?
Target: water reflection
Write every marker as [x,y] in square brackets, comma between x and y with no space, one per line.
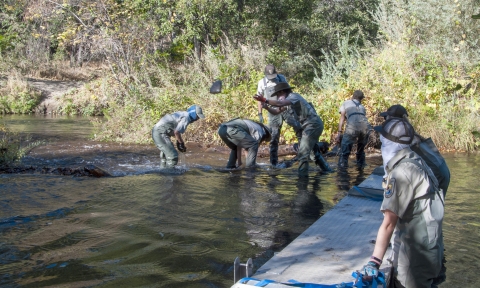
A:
[461,227]
[177,230]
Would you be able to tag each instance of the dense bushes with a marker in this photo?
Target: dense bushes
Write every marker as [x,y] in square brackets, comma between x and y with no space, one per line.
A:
[430,66]
[135,109]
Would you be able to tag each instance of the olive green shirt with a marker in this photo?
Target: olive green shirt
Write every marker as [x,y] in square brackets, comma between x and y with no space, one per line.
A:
[411,192]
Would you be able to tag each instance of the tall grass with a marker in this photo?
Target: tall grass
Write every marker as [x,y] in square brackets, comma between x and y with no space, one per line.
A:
[161,88]
[431,67]
[16,96]
[13,146]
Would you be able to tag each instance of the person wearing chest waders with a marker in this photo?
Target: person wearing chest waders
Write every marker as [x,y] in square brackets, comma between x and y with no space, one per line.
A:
[170,125]
[312,125]
[265,88]
[357,130]
[413,205]
[242,133]
[426,149]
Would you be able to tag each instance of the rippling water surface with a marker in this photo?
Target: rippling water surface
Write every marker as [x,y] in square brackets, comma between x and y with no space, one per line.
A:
[148,227]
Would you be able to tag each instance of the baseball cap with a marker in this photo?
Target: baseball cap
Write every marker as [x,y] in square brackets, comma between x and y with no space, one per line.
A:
[395,111]
[398,130]
[194,111]
[199,111]
[270,71]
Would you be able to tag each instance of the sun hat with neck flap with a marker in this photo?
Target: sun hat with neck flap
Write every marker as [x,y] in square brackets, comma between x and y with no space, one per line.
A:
[398,130]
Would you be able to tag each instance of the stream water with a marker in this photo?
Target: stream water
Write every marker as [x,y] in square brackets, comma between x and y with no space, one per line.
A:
[148,227]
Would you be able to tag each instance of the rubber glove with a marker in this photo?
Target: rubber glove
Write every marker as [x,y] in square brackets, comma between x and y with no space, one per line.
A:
[260,98]
[371,269]
[339,137]
[181,147]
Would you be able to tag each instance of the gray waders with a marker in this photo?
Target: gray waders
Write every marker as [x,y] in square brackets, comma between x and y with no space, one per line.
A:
[351,136]
[235,134]
[310,135]
[289,117]
[356,131]
[168,153]
[275,124]
[319,160]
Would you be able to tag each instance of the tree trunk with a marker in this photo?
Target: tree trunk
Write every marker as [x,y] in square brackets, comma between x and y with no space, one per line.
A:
[72,56]
[196,44]
[80,55]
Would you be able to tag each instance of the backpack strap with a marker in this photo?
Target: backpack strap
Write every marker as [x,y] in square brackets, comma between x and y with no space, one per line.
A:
[356,113]
[427,170]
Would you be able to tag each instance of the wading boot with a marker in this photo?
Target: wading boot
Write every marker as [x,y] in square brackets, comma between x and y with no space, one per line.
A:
[361,163]
[319,160]
[163,160]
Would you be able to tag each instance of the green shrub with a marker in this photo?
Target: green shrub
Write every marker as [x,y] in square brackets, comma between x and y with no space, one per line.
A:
[13,146]
[17,97]
[89,100]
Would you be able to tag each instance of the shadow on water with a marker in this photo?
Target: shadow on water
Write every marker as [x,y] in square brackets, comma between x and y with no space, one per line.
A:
[180,228]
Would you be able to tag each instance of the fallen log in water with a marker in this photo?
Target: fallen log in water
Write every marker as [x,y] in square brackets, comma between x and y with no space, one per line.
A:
[88,171]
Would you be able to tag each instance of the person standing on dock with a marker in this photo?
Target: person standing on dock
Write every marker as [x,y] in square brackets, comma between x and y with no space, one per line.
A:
[426,149]
[357,130]
[412,204]
[265,88]
[432,156]
[312,125]
[242,133]
[174,124]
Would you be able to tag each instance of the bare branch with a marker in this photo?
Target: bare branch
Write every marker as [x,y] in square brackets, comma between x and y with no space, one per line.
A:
[74,15]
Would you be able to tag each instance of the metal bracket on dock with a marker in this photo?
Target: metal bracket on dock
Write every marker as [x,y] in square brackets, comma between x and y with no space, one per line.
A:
[242,270]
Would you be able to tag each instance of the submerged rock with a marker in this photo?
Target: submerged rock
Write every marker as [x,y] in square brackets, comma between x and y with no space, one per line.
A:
[96,171]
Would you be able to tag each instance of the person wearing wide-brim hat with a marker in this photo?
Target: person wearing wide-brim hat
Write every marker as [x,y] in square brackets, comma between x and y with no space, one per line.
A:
[311,123]
[265,88]
[174,124]
[425,148]
[246,134]
[413,206]
[395,111]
